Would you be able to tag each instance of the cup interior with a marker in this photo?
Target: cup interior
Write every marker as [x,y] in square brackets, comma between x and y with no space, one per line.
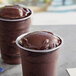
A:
[21,19]
[31,50]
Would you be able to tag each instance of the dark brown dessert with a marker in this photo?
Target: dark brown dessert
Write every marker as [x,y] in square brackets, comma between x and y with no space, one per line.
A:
[39,53]
[40,40]
[14,21]
[13,12]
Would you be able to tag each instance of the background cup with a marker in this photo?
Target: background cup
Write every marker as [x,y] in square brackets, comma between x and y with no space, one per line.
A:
[38,62]
[10,29]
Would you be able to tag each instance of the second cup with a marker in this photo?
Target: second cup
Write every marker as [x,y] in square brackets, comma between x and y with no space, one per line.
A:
[11,26]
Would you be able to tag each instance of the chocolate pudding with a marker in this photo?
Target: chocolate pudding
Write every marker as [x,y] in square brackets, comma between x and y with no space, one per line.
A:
[39,53]
[14,12]
[14,21]
[40,40]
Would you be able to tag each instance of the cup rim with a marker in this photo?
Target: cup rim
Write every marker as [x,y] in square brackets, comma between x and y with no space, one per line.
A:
[21,19]
[38,51]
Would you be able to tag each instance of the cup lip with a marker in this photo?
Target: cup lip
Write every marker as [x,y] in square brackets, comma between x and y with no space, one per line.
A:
[20,19]
[36,51]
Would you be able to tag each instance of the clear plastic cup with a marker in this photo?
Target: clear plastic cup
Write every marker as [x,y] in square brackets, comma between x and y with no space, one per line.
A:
[10,29]
[38,62]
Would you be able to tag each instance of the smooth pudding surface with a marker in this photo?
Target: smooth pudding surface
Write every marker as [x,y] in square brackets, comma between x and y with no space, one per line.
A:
[14,12]
[40,40]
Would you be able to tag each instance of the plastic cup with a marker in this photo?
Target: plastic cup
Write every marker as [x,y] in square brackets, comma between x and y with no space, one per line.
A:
[38,62]
[10,29]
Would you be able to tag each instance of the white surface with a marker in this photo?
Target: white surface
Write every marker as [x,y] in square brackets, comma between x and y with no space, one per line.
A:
[68,18]
[72,71]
